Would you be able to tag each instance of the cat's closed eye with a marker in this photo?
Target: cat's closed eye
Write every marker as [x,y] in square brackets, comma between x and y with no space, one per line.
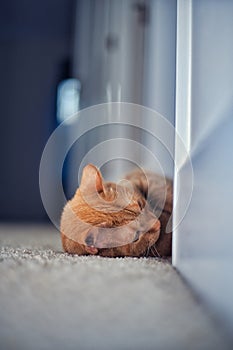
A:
[141,205]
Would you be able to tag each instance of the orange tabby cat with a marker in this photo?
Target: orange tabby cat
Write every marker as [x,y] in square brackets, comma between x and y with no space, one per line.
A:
[128,219]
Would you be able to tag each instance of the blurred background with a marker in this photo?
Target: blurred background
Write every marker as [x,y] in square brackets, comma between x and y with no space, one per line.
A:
[60,56]
[36,42]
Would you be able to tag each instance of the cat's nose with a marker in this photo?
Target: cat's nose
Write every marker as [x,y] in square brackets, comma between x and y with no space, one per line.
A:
[89,240]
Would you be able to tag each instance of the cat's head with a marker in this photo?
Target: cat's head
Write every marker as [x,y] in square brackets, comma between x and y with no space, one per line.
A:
[104,216]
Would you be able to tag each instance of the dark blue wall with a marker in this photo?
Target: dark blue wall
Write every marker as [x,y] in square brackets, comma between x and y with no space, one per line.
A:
[35,44]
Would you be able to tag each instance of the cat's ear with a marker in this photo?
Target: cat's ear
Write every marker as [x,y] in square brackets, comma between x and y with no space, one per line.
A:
[91,179]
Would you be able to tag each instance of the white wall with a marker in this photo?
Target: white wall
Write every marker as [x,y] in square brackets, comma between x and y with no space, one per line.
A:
[159,73]
[203,242]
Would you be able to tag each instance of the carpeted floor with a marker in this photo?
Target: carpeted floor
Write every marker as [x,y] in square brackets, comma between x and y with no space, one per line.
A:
[51,300]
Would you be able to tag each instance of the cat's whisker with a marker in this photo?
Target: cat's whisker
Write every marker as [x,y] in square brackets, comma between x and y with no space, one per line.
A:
[147,252]
[155,251]
[152,251]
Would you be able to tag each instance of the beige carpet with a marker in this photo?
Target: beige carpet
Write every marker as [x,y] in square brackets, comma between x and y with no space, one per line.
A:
[50,300]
